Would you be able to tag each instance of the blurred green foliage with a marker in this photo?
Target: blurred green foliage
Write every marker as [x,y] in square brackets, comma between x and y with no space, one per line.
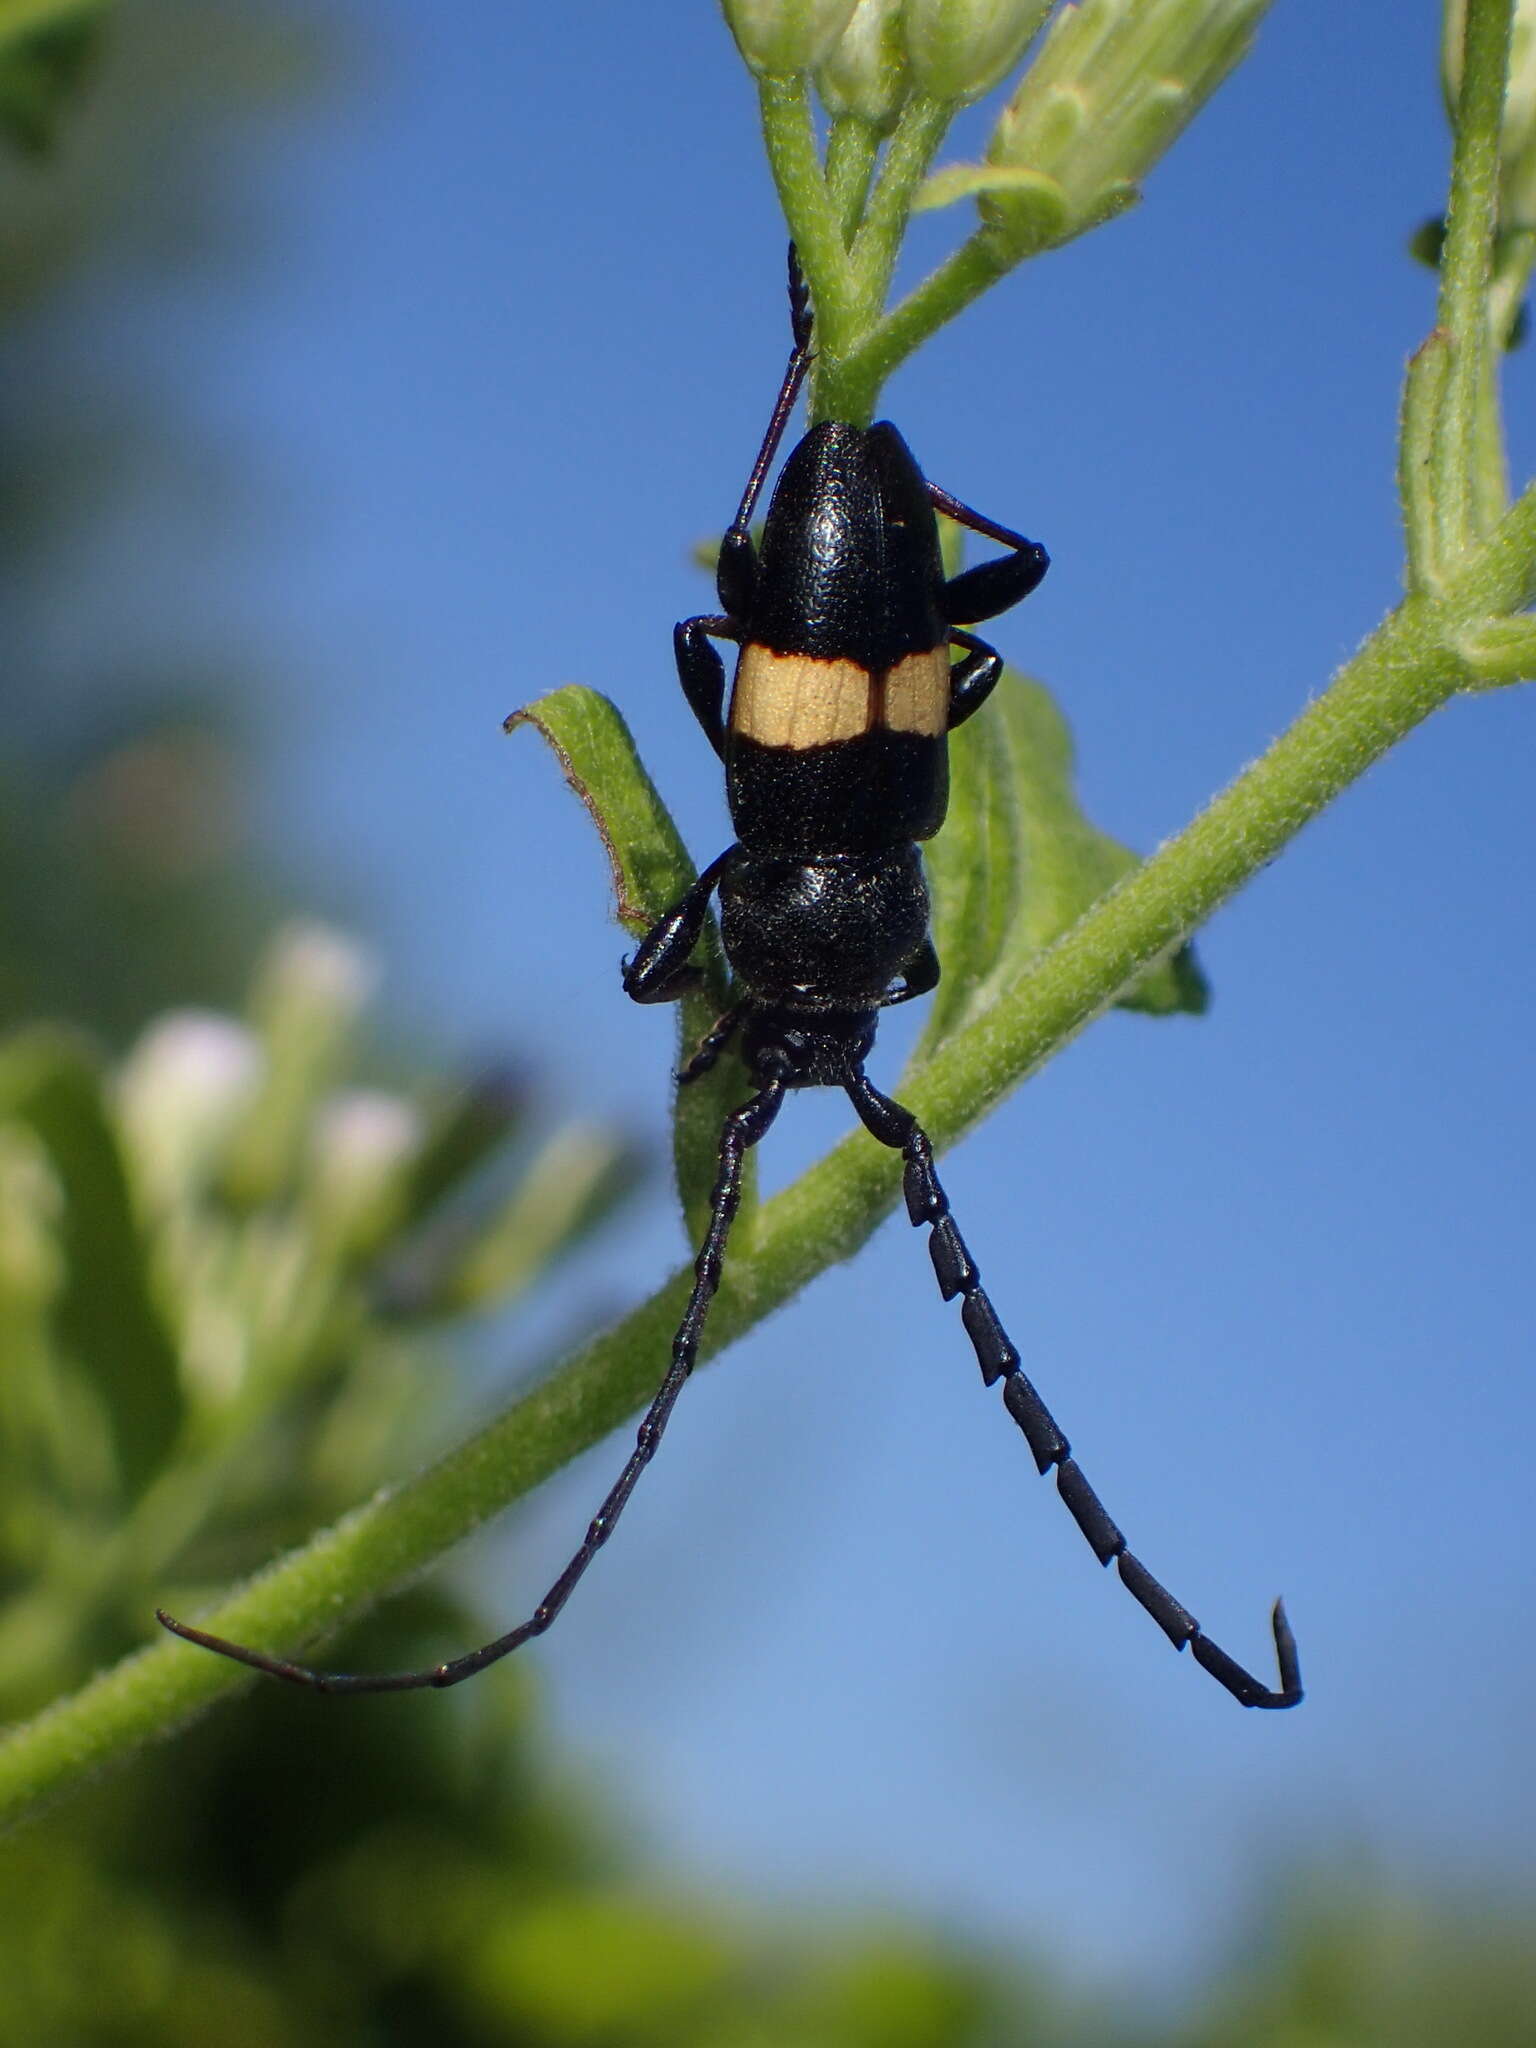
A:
[128,883]
[1342,1963]
[44,52]
[223,1273]
[230,1273]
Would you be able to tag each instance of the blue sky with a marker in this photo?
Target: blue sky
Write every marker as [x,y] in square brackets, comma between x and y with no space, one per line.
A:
[505,356]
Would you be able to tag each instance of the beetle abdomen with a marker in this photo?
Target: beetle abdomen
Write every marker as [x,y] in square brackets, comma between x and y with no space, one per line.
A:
[840,710]
[823,934]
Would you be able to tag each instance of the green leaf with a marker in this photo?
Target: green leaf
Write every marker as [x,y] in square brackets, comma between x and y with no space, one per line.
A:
[45,49]
[104,1311]
[1069,862]
[1498,652]
[1424,395]
[651,870]
[596,751]
[1018,862]
[975,867]
[1029,192]
[1390,686]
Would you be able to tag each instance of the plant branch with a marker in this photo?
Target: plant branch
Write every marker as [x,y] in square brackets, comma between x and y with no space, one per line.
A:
[1404,671]
[853,149]
[963,276]
[838,392]
[909,152]
[814,225]
[1513,263]
[1467,498]
[1445,637]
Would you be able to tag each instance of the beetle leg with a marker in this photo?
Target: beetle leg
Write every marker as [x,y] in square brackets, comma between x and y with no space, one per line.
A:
[657,971]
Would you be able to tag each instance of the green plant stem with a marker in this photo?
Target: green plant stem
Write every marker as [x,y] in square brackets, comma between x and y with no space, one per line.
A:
[1515,260]
[1501,577]
[839,392]
[1466,497]
[1489,494]
[922,127]
[1500,652]
[814,225]
[1404,671]
[961,277]
[1408,668]
[1423,402]
[853,148]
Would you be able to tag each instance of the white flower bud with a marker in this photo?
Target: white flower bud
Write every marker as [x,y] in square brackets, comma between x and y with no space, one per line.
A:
[959,49]
[782,37]
[308,993]
[318,972]
[865,73]
[180,1093]
[1115,84]
[363,1146]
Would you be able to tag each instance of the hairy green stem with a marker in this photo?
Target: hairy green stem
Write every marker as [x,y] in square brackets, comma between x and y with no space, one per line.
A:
[908,154]
[853,149]
[838,391]
[1423,403]
[1466,496]
[1500,652]
[978,263]
[1514,257]
[1501,576]
[1514,262]
[1404,672]
[1437,642]
[814,225]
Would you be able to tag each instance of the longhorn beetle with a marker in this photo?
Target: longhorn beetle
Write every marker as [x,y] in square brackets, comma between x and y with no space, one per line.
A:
[836,765]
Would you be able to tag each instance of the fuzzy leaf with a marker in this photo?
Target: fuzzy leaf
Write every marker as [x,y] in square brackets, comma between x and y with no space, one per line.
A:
[1018,862]
[1069,862]
[975,868]
[596,752]
[971,181]
[651,870]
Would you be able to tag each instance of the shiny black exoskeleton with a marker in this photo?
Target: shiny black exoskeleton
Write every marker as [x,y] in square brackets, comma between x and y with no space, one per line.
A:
[835,742]
[835,745]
